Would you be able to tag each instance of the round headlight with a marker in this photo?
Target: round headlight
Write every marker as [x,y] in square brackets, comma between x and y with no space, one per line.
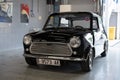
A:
[27,40]
[75,42]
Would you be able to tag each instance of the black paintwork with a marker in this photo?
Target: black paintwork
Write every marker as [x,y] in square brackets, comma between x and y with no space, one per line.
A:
[64,35]
[61,35]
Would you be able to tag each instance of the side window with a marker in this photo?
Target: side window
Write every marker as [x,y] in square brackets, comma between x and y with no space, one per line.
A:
[102,29]
[100,24]
[95,24]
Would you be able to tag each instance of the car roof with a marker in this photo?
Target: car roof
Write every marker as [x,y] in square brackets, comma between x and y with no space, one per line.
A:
[91,13]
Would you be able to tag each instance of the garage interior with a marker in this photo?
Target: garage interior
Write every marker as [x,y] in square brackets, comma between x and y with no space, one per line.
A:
[12,63]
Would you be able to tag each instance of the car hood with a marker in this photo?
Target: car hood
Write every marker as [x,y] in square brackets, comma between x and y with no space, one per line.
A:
[57,36]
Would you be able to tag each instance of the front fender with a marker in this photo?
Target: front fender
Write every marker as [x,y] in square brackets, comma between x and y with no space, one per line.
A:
[89,39]
[89,44]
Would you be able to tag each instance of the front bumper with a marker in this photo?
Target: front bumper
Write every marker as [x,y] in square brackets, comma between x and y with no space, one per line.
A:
[55,57]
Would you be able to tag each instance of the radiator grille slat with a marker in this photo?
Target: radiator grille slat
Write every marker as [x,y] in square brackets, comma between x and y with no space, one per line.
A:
[51,48]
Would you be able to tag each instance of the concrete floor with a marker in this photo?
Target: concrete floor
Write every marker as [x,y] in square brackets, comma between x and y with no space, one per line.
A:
[13,67]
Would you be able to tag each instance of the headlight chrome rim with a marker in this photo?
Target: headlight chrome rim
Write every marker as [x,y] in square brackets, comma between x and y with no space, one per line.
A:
[27,40]
[75,42]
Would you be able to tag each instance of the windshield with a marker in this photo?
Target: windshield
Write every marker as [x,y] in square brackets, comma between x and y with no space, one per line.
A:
[68,21]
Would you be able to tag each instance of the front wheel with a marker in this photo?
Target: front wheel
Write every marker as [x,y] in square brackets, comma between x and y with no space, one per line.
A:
[88,64]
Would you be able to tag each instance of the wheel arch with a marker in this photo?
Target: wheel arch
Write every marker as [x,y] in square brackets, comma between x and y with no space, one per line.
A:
[87,50]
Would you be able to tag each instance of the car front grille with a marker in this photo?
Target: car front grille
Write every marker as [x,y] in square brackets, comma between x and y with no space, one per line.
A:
[51,48]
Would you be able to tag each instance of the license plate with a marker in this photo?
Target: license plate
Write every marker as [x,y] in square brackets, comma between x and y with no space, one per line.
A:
[48,62]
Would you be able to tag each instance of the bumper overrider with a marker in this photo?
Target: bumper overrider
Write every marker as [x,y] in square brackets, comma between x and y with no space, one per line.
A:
[55,57]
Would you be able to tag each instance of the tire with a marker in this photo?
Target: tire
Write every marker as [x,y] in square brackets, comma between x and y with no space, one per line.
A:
[105,50]
[87,65]
[31,61]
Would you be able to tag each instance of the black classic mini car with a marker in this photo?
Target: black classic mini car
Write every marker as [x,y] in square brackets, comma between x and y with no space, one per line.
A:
[69,36]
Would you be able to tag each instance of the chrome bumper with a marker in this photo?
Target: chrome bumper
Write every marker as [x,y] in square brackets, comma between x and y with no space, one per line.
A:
[55,57]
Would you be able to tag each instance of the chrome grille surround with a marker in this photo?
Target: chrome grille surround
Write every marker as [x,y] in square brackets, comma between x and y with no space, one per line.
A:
[51,48]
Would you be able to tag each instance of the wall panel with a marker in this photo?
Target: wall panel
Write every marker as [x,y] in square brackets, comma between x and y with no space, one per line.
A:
[11,34]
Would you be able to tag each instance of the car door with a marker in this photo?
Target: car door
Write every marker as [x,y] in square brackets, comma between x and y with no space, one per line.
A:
[99,36]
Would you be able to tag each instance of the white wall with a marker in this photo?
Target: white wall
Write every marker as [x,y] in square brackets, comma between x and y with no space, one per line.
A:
[82,5]
[11,35]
